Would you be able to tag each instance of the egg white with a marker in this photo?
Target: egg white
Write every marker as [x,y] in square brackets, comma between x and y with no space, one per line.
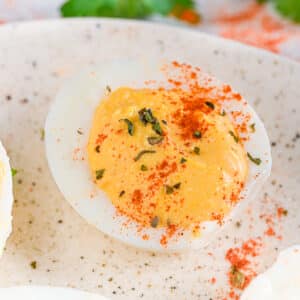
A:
[6,199]
[46,293]
[280,282]
[74,109]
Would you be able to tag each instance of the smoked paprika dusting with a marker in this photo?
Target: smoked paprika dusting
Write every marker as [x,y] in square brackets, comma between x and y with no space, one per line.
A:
[241,270]
[178,187]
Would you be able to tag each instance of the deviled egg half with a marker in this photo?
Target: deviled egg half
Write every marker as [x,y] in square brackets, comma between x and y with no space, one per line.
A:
[156,154]
[46,293]
[6,198]
[280,282]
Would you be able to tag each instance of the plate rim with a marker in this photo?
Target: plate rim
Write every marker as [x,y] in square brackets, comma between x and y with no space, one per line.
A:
[147,23]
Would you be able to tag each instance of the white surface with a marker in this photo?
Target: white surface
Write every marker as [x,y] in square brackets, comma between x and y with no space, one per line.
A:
[46,293]
[35,61]
[281,281]
[6,198]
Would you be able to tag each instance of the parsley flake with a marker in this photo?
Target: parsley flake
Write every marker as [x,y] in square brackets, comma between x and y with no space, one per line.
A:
[235,137]
[130,126]
[255,160]
[99,173]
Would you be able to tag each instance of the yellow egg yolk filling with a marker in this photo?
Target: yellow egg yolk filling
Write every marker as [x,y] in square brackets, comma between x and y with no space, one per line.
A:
[165,159]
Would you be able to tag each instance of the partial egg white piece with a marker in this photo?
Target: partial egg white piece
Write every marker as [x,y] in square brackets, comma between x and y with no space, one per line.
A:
[73,110]
[280,282]
[6,198]
[46,293]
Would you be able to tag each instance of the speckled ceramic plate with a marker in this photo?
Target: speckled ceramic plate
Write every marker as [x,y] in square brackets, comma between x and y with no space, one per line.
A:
[46,293]
[52,245]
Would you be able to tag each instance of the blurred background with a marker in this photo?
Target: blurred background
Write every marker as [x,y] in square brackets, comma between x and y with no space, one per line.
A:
[273,25]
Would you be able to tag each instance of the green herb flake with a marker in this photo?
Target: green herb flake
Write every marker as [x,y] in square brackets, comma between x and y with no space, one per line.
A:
[42,134]
[33,265]
[14,172]
[238,278]
[169,189]
[108,88]
[183,160]
[196,150]
[164,122]
[99,173]
[156,127]
[252,127]
[235,137]
[144,168]
[223,113]
[141,153]
[177,185]
[146,116]
[210,105]
[97,148]
[130,126]
[122,193]
[154,221]
[197,134]
[255,160]
[153,140]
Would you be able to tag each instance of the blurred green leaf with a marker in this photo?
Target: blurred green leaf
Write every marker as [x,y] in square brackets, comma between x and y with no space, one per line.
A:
[289,8]
[121,8]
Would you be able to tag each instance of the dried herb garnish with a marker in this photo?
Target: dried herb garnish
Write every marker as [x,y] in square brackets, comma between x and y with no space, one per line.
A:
[237,278]
[146,116]
[154,222]
[183,160]
[42,134]
[99,173]
[210,104]
[252,127]
[14,172]
[108,88]
[79,131]
[236,138]
[255,160]
[129,126]
[165,122]
[177,185]
[33,264]
[156,127]
[121,193]
[97,148]
[141,153]
[153,140]
[169,189]
[223,113]
[144,168]
[196,150]
[197,134]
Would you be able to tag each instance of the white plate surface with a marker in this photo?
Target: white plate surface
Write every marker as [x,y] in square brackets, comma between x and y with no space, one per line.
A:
[35,60]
